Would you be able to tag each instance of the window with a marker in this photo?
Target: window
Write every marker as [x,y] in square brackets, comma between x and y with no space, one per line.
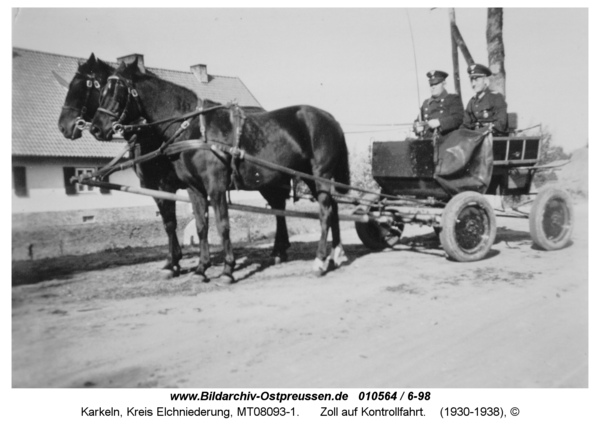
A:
[84,188]
[72,188]
[20,181]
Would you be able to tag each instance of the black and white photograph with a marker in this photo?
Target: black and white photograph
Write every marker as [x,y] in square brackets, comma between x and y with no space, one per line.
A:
[360,199]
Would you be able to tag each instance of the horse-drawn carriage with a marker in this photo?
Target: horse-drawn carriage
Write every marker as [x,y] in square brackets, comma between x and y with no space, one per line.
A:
[448,185]
[179,141]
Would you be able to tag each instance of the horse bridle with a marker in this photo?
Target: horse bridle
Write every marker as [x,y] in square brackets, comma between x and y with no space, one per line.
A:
[120,116]
[119,127]
[90,84]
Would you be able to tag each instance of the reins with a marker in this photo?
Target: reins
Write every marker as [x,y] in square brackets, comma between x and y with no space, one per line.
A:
[112,166]
[118,127]
[170,148]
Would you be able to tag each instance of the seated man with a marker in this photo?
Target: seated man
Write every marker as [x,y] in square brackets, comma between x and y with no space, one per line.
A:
[486,107]
[443,111]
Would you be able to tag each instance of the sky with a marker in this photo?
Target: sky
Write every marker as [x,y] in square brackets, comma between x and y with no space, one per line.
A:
[365,66]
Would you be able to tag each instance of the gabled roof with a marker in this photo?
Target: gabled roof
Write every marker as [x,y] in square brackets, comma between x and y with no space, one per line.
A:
[37,99]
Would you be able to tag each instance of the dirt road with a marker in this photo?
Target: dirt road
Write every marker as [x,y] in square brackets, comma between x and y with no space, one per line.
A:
[406,317]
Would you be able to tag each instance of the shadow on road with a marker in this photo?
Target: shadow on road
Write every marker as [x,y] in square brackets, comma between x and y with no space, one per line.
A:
[63,268]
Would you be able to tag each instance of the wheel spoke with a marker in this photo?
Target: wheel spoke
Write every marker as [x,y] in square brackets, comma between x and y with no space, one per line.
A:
[471,228]
[555,220]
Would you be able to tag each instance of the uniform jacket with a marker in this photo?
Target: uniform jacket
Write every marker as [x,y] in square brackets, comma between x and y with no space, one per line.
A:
[447,108]
[489,108]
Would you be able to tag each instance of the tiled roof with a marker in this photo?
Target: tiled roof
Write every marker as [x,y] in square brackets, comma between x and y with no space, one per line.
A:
[37,99]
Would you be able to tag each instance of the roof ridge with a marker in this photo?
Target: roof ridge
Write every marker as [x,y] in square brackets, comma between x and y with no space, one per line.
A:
[117,63]
[49,53]
[189,72]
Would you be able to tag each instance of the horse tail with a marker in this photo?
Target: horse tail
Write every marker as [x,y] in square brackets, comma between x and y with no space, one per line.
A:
[342,171]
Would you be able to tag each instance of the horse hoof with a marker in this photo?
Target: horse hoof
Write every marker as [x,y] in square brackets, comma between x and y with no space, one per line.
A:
[337,257]
[167,274]
[280,258]
[319,267]
[318,273]
[202,277]
[225,280]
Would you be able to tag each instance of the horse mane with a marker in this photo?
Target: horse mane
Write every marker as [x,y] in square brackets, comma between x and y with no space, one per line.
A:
[133,73]
[95,65]
[180,99]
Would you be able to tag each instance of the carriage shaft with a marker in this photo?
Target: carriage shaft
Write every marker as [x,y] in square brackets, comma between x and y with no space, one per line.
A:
[234,206]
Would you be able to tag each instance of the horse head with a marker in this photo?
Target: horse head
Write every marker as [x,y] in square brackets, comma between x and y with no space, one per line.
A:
[83,96]
[119,103]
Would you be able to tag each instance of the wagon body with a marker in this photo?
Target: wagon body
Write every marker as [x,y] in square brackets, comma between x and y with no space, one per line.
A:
[406,168]
[514,161]
[465,222]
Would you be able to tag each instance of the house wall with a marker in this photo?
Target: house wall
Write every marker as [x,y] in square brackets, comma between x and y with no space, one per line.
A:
[46,187]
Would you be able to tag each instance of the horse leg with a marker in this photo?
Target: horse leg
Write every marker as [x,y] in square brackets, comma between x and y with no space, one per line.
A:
[167,211]
[276,199]
[219,203]
[200,207]
[337,255]
[169,218]
[325,215]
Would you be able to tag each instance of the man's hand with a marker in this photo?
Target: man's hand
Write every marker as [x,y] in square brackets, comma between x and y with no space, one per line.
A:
[433,124]
[419,127]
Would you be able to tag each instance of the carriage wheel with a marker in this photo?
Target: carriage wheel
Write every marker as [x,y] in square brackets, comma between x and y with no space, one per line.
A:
[377,236]
[551,219]
[468,227]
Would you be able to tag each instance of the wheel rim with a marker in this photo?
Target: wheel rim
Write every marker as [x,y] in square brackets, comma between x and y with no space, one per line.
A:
[472,229]
[556,220]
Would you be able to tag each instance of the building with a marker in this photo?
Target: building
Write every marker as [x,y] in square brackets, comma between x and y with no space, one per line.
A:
[43,160]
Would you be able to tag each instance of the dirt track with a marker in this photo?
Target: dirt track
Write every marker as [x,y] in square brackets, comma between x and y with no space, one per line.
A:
[401,318]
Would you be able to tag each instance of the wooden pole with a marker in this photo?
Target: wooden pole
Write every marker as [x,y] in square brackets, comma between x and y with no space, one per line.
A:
[185,198]
[455,65]
[495,46]
[462,45]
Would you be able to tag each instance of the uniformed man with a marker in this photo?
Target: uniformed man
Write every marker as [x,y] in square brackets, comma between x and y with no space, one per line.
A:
[443,111]
[486,107]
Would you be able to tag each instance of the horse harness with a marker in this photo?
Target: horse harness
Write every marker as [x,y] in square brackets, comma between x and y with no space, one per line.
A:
[131,94]
[237,118]
[236,115]
[90,84]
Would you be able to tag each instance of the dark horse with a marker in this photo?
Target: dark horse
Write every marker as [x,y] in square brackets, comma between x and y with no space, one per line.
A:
[303,138]
[81,103]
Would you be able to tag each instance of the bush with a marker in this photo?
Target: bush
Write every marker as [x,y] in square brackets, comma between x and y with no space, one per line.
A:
[549,153]
[360,170]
